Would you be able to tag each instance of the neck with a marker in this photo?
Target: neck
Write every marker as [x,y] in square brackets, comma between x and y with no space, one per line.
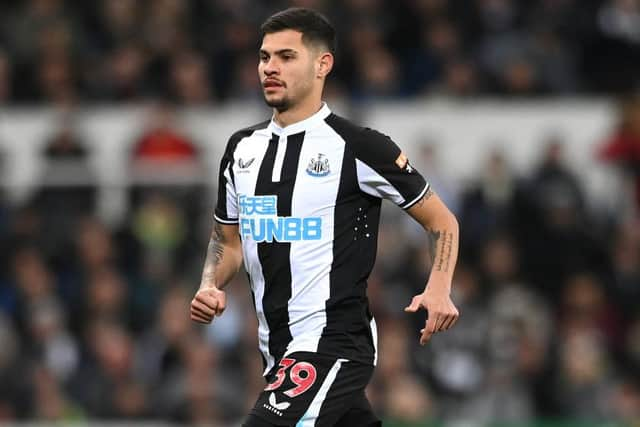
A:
[297,113]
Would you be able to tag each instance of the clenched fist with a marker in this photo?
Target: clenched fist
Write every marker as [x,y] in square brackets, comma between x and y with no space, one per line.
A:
[207,303]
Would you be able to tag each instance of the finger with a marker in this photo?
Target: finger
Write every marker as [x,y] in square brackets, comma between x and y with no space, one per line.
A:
[431,323]
[448,320]
[204,309]
[443,319]
[455,315]
[199,313]
[426,336]
[222,303]
[414,306]
[204,316]
[455,319]
[451,319]
[208,300]
[199,318]
[446,323]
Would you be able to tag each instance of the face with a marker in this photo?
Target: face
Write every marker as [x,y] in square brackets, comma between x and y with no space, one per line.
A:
[289,70]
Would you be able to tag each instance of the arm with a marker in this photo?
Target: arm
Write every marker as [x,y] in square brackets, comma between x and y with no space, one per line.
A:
[442,227]
[384,171]
[224,257]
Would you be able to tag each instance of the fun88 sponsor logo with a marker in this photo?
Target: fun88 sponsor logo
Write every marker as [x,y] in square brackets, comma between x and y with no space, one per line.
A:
[259,220]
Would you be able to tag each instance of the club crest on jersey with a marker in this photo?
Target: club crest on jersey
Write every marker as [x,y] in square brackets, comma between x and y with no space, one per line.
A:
[319,166]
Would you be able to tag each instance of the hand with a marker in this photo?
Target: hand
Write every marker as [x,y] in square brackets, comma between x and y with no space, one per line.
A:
[208,302]
[441,313]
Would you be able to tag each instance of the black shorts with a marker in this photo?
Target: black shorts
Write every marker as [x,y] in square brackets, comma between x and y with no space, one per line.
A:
[308,389]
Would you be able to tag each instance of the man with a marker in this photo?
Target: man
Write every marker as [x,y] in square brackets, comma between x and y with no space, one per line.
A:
[299,202]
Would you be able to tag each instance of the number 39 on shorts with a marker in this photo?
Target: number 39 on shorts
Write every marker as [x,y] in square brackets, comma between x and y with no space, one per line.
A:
[302,374]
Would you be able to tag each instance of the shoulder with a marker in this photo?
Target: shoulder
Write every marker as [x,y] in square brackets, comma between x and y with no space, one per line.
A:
[238,135]
[361,140]
[248,131]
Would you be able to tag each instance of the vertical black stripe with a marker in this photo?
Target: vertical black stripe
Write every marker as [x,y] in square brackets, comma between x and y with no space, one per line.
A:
[274,257]
[348,331]
[253,302]
[349,385]
[221,207]
[231,174]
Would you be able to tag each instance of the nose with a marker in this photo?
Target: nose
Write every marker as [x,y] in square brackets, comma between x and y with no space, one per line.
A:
[270,68]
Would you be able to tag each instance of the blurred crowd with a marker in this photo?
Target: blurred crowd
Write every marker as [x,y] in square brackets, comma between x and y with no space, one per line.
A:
[94,319]
[205,51]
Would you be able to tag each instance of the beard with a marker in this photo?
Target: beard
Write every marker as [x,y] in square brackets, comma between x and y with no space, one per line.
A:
[281,104]
[290,97]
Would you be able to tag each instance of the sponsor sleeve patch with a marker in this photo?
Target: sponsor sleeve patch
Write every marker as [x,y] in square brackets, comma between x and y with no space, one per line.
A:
[402,161]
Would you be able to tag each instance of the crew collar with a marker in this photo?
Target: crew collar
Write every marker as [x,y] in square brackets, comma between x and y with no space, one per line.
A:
[302,125]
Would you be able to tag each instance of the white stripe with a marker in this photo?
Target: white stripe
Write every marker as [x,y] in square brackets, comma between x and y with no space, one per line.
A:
[277,164]
[232,198]
[310,417]
[311,260]
[374,335]
[225,221]
[371,182]
[422,193]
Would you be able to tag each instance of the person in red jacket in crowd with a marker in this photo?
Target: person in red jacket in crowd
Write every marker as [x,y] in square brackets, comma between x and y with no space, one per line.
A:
[623,147]
[162,141]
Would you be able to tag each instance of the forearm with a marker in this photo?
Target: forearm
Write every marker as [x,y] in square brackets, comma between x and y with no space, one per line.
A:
[443,231]
[442,227]
[223,260]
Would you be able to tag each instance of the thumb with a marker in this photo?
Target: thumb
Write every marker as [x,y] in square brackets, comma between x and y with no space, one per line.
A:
[414,306]
[222,303]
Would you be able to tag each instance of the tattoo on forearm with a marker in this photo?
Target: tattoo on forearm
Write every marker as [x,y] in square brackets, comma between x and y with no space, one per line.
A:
[445,253]
[441,248]
[216,244]
[215,253]
[434,236]
[426,197]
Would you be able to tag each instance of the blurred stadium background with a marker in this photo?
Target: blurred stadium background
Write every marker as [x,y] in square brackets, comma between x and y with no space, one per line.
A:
[524,116]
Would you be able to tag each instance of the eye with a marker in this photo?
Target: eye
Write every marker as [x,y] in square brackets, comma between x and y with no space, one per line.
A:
[264,58]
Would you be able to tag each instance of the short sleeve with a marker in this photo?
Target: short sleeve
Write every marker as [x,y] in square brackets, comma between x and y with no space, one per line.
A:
[385,172]
[226,210]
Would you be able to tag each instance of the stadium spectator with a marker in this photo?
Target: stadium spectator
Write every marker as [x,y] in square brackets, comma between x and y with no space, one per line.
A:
[51,344]
[622,148]
[106,383]
[489,204]
[551,47]
[5,78]
[625,263]
[69,185]
[190,79]
[123,75]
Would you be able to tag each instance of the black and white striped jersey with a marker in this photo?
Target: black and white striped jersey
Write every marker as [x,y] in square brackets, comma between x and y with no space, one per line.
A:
[306,199]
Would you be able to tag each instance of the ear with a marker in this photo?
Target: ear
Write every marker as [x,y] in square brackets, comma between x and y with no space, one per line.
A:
[324,64]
